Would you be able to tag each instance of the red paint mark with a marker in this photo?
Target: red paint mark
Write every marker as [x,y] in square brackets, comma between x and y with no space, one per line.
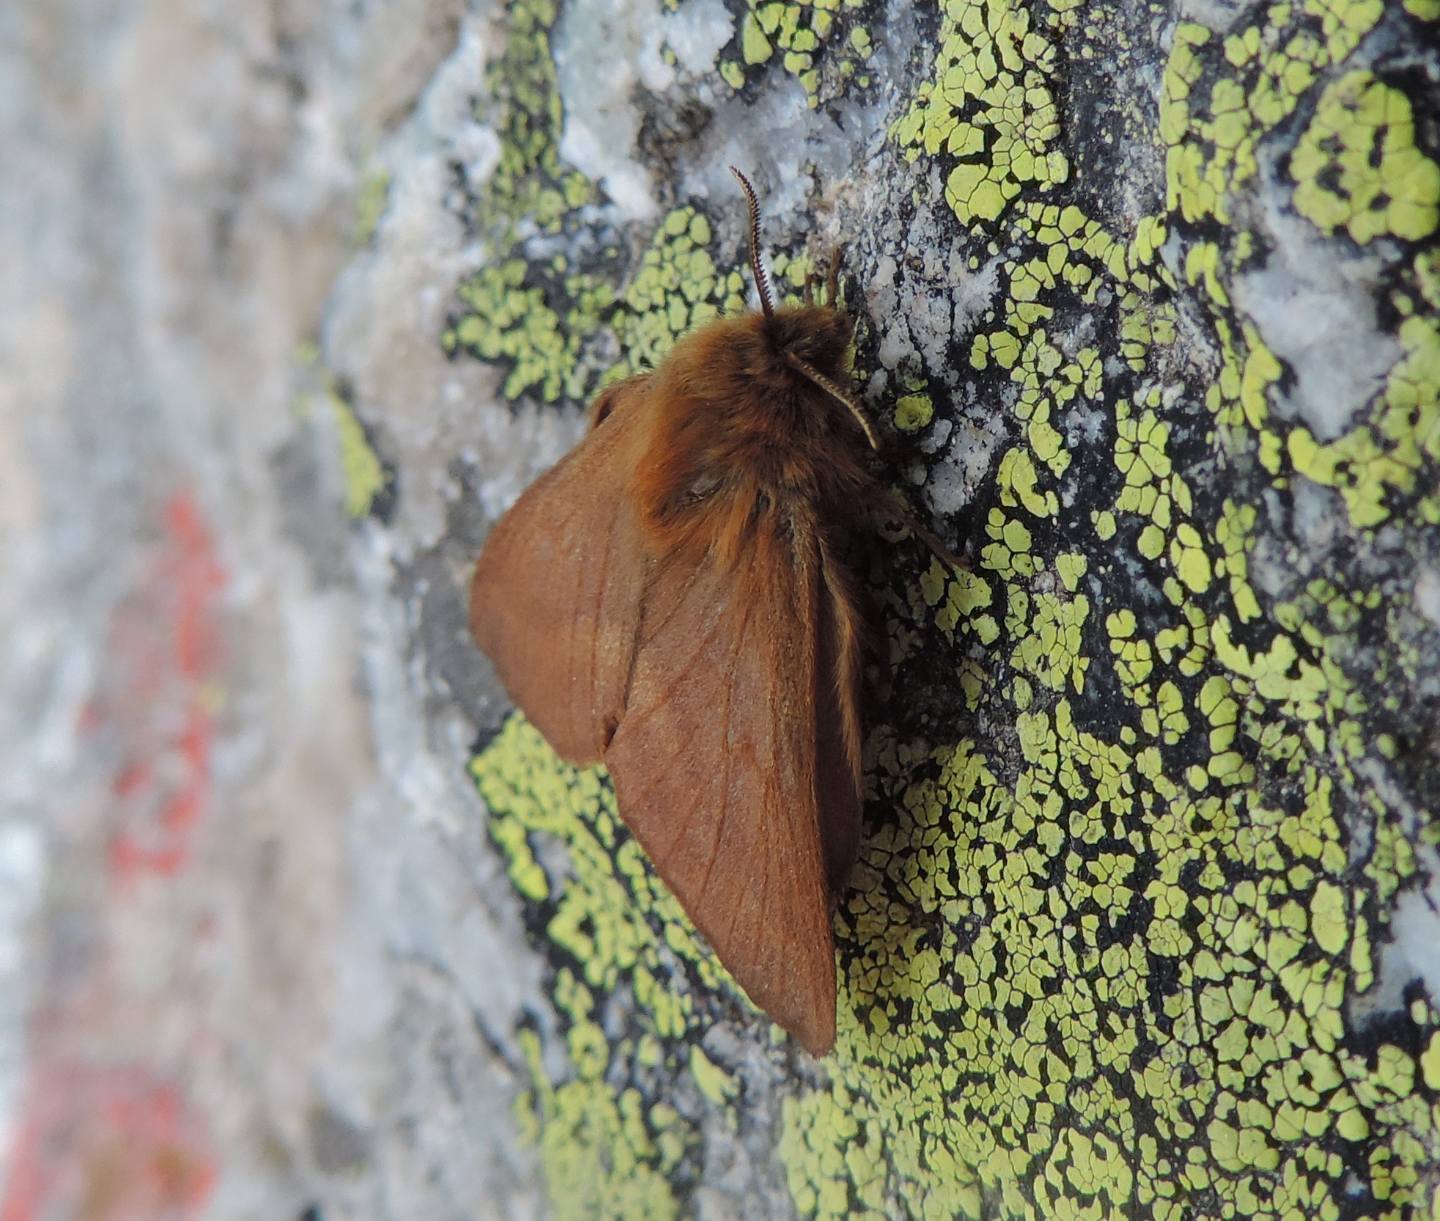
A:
[108,1145]
[159,842]
[162,659]
[196,577]
[132,779]
[102,1143]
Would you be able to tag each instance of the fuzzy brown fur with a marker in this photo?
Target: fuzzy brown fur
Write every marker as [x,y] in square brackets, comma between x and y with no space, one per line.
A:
[737,443]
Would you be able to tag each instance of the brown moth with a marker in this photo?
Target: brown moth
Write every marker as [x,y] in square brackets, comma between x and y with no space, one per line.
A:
[670,600]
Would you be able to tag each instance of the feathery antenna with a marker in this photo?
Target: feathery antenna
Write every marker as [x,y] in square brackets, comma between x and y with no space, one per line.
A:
[834,391]
[762,281]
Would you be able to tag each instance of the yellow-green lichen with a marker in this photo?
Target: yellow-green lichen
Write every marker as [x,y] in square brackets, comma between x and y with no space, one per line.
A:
[604,1148]
[676,287]
[607,1152]
[1357,167]
[988,109]
[365,476]
[714,1082]
[523,103]
[1213,122]
[797,33]
[512,312]
[1394,452]
[913,412]
[510,321]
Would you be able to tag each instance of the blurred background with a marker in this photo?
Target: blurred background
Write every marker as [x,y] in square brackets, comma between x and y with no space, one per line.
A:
[205,975]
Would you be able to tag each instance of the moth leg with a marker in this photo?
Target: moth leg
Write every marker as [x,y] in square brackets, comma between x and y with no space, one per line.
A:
[887,500]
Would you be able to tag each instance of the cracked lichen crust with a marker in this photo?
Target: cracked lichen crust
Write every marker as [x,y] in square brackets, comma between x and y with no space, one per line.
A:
[796,36]
[521,101]
[1155,777]
[507,316]
[610,1145]
[1357,165]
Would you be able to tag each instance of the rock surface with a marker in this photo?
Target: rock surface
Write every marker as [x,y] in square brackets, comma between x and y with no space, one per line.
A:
[296,920]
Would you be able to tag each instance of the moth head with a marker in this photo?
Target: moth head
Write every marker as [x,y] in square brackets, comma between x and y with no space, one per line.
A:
[812,339]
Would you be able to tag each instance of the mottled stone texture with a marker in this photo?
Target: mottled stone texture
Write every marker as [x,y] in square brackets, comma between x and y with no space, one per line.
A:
[297,920]
[258,953]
